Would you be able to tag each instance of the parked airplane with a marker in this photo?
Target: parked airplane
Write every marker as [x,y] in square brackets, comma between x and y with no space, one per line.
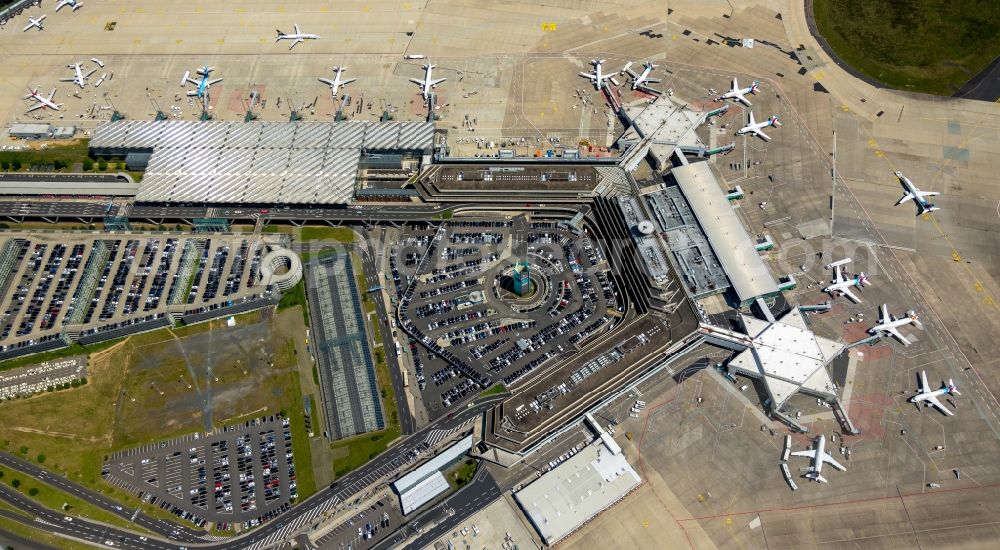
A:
[927,396]
[819,455]
[888,324]
[336,83]
[71,3]
[43,102]
[427,83]
[916,195]
[843,285]
[739,94]
[597,77]
[639,81]
[32,22]
[755,127]
[79,78]
[296,36]
[203,84]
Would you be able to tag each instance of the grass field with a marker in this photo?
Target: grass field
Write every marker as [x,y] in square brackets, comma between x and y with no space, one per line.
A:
[338,234]
[496,389]
[462,473]
[930,46]
[75,429]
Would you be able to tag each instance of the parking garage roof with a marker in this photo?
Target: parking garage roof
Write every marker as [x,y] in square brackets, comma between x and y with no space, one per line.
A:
[256,162]
[426,482]
[749,276]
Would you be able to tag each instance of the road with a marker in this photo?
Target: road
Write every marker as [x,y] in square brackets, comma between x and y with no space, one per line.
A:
[448,514]
[166,528]
[384,312]
[269,534]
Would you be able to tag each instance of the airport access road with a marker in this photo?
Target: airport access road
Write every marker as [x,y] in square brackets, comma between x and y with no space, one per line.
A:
[165,528]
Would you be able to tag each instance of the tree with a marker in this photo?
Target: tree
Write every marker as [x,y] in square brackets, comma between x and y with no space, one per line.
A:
[102,165]
[88,165]
[15,483]
[24,449]
[16,164]
[41,458]
[5,164]
[33,491]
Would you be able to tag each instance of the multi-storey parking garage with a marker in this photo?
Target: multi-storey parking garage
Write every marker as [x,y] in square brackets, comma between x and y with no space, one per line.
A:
[81,286]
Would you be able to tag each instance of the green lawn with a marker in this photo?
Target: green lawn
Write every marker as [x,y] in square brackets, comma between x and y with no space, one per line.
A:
[339,234]
[930,46]
[296,296]
[498,388]
[461,473]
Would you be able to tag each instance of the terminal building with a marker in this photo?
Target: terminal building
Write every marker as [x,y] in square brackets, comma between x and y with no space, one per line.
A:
[216,162]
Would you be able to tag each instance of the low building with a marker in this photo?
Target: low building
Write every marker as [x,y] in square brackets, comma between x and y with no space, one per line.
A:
[574,492]
[30,131]
[426,482]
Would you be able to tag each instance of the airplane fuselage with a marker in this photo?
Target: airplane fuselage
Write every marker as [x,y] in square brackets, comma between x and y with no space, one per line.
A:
[641,79]
[927,396]
[912,189]
[903,321]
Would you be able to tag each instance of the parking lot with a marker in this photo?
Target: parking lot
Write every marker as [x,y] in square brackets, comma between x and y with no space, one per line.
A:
[241,476]
[38,378]
[91,284]
[462,301]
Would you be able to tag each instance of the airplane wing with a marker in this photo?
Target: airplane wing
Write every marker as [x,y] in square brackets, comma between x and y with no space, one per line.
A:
[92,71]
[898,335]
[924,386]
[36,106]
[752,121]
[210,82]
[417,81]
[327,81]
[736,85]
[906,197]
[348,81]
[632,74]
[847,292]
[60,5]
[29,26]
[884,314]
[193,81]
[928,193]
[810,453]
[70,79]
[438,81]
[762,134]
[744,100]
[591,76]
[192,93]
[297,29]
[829,460]
[838,275]
[937,405]
[653,80]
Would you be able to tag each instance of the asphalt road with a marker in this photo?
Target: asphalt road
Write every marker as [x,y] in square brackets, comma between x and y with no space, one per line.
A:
[382,313]
[448,514]
[166,528]
[345,488]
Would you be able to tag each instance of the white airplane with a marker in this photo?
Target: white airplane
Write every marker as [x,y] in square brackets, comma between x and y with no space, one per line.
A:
[843,285]
[71,3]
[296,36]
[755,127]
[79,79]
[203,84]
[888,324]
[32,22]
[739,94]
[336,83]
[427,83]
[927,396]
[916,195]
[598,77]
[640,80]
[43,102]
[819,456]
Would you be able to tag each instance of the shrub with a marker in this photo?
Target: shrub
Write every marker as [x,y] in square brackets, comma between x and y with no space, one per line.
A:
[33,491]
[41,458]
[15,483]
[102,165]
[16,164]
[24,449]
[5,164]
[88,165]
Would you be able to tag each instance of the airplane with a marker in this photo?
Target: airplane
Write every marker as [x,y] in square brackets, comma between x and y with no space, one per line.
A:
[930,397]
[912,193]
[819,456]
[297,36]
[639,81]
[203,85]
[755,127]
[71,3]
[336,83]
[427,83]
[739,94]
[43,102]
[35,23]
[842,285]
[79,79]
[597,77]
[888,324]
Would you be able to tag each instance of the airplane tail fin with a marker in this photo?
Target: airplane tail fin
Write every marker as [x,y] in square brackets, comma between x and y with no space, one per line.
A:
[775,120]
[863,280]
[755,86]
[952,388]
[814,476]
[914,318]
